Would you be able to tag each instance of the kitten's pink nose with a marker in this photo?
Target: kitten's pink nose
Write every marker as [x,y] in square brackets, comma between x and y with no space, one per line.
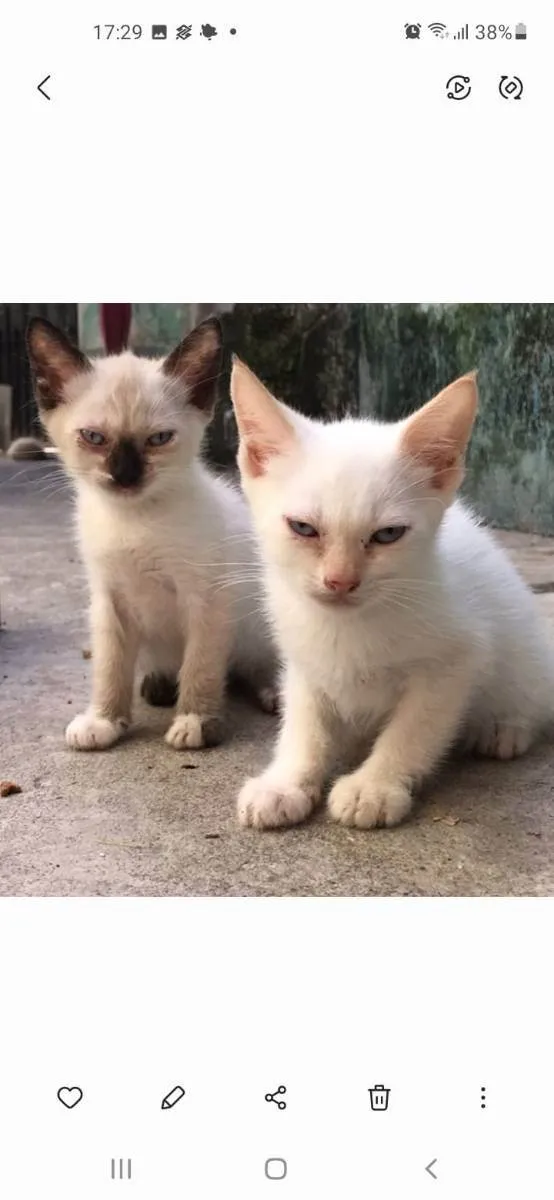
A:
[341,583]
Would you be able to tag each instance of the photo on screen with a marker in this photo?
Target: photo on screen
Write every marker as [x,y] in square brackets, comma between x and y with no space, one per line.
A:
[276,599]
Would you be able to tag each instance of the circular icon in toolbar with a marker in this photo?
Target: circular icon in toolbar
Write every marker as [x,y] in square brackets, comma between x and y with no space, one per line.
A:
[276,1168]
[510,87]
[458,87]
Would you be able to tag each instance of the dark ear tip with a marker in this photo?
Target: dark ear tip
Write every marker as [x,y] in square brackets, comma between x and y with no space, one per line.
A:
[40,323]
[211,325]
[37,325]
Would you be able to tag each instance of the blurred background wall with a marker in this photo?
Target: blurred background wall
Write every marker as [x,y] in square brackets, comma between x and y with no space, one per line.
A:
[379,360]
[15,382]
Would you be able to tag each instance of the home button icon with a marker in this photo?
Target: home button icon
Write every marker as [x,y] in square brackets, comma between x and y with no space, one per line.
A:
[275,1168]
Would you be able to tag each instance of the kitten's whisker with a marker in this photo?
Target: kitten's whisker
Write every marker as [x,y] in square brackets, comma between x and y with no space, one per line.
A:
[421,584]
[54,484]
[179,561]
[418,619]
[426,477]
[22,479]
[234,537]
[55,481]
[232,583]
[48,495]
[255,612]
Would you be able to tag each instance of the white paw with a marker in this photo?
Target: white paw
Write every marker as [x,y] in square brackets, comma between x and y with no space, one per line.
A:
[268,803]
[190,731]
[88,731]
[500,741]
[368,802]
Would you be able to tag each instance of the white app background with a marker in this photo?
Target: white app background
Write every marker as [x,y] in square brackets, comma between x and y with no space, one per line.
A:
[231,1000]
[313,156]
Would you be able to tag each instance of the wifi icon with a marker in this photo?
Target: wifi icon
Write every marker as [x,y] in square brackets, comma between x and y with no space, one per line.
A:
[437,28]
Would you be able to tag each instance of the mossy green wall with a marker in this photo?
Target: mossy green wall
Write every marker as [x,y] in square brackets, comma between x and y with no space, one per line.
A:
[413,351]
[385,360]
[155,328]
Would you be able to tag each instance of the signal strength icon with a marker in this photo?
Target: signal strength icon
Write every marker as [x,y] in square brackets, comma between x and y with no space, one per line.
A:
[437,28]
[462,33]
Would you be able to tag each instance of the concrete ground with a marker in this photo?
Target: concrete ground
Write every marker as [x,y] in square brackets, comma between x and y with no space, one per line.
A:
[142,819]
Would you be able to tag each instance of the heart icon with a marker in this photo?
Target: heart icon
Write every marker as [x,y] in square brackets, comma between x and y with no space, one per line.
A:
[70,1096]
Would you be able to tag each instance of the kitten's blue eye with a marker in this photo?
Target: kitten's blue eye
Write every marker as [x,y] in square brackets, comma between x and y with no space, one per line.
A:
[302,528]
[161,438]
[93,437]
[392,533]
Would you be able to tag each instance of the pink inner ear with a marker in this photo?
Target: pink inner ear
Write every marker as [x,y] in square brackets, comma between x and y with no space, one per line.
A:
[265,431]
[257,458]
[260,444]
[445,463]
[442,458]
[257,449]
[437,435]
[250,428]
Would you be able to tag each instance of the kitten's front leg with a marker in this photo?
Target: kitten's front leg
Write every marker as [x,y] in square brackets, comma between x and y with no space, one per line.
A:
[203,675]
[114,650]
[290,787]
[420,730]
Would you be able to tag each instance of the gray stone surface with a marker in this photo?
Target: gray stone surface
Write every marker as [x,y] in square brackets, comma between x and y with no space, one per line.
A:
[144,820]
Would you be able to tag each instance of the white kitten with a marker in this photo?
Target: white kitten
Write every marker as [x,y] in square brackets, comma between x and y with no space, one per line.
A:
[403,625]
[171,560]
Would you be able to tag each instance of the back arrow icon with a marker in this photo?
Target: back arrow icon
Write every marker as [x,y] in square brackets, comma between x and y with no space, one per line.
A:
[429,1168]
[40,87]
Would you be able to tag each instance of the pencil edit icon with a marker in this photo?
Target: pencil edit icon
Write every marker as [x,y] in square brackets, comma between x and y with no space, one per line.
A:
[173,1097]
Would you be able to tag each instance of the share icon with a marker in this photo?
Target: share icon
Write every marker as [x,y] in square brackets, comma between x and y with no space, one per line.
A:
[271,1097]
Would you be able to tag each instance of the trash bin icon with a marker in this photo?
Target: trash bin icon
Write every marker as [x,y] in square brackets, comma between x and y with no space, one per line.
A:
[379,1097]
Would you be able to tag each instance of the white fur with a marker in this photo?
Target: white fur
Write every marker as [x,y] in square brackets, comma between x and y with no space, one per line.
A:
[173,569]
[441,642]
[169,558]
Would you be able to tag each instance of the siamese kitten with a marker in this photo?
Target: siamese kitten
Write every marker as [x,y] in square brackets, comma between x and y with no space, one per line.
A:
[168,549]
[403,625]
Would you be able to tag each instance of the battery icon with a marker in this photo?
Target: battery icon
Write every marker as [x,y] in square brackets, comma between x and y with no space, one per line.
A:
[521,32]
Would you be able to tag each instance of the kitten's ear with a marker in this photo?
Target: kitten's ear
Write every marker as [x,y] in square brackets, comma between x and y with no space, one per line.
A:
[196,363]
[438,434]
[264,428]
[54,361]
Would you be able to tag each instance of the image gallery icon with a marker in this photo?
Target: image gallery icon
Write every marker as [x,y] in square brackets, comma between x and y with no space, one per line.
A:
[159,33]
[379,1097]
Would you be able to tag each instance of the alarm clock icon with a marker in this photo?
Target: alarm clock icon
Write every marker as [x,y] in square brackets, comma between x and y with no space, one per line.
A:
[412,31]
